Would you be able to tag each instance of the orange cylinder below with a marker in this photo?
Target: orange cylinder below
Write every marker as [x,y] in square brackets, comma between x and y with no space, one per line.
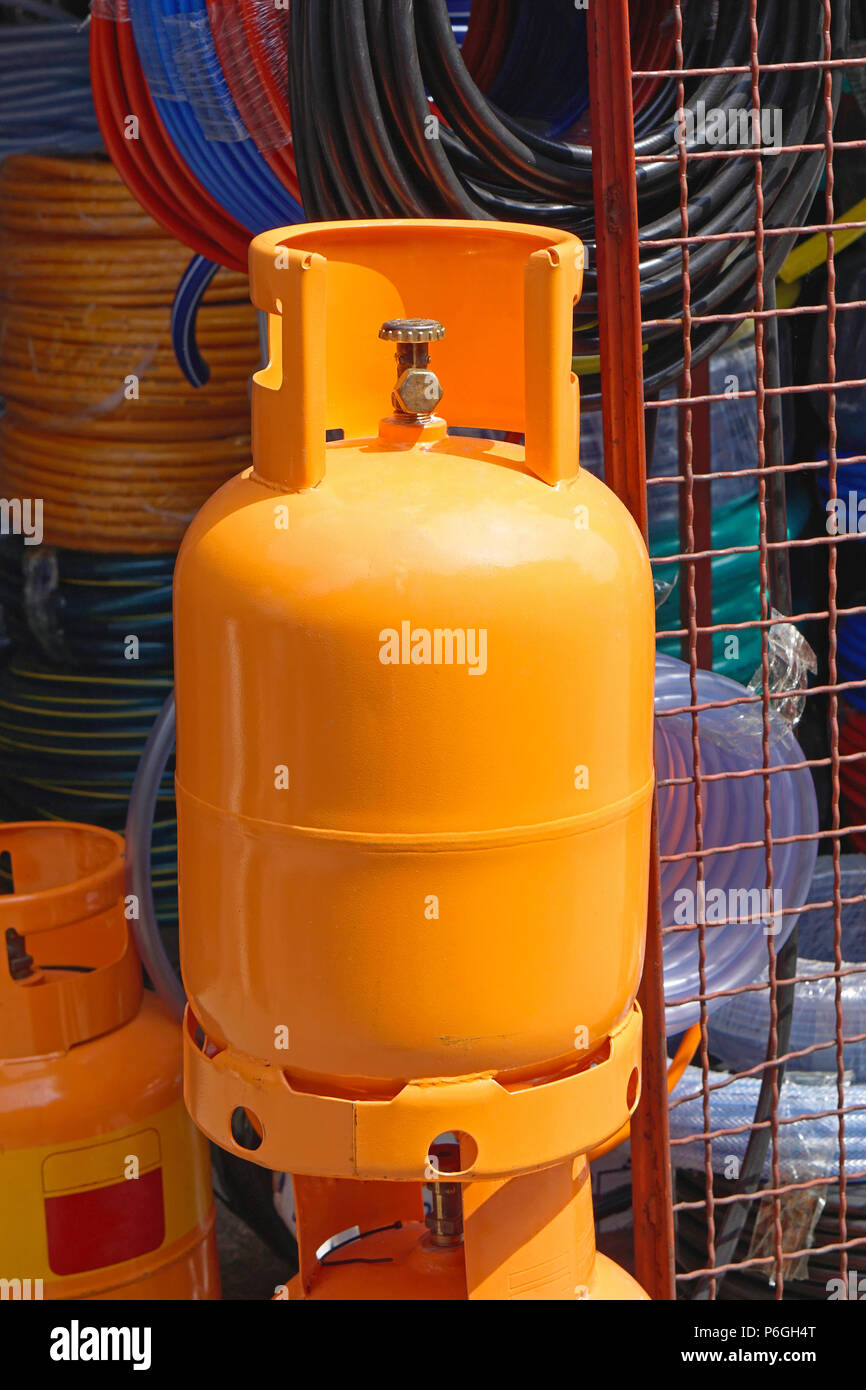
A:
[105,1187]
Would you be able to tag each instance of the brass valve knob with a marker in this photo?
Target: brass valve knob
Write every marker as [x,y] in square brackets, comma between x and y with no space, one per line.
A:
[412,331]
[418,391]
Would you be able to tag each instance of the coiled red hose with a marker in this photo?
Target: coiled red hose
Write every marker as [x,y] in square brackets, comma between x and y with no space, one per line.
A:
[149,165]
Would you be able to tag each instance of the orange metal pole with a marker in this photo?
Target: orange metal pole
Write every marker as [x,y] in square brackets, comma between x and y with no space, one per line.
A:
[625,471]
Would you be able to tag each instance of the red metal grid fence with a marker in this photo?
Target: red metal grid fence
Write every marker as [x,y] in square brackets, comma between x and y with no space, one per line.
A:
[759,1229]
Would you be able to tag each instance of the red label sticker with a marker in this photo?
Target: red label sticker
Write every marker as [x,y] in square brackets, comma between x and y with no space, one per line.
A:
[105,1225]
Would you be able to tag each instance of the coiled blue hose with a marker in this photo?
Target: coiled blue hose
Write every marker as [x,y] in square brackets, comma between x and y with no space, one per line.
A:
[545,75]
[184,310]
[180,64]
[459,11]
[852,656]
[45,99]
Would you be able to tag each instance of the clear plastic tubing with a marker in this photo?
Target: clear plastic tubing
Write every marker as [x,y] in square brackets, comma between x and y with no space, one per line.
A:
[808,1148]
[740,1028]
[733,813]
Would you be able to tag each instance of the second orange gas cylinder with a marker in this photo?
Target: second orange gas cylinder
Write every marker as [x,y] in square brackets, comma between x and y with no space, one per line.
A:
[105,1185]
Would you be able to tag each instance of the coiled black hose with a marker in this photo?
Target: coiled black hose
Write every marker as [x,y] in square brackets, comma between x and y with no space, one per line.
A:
[369,144]
[87,610]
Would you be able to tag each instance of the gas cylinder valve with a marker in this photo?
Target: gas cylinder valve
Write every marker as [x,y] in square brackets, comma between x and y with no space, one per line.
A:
[418,391]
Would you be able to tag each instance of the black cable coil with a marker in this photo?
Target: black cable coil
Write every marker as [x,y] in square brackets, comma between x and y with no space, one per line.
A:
[361,72]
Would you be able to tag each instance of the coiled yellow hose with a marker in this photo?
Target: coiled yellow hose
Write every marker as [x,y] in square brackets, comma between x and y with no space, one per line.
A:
[100,423]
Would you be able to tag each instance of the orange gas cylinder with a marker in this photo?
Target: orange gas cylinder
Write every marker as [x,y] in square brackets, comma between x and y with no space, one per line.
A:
[414,705]
[104,1183]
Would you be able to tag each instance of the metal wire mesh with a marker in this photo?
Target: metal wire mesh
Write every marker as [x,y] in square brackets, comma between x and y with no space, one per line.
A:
[751,1226]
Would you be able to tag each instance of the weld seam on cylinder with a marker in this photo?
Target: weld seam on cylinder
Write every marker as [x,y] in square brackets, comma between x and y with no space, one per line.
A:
[444,842]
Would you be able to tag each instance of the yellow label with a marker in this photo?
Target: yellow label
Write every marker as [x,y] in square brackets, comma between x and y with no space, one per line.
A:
[100,1164]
